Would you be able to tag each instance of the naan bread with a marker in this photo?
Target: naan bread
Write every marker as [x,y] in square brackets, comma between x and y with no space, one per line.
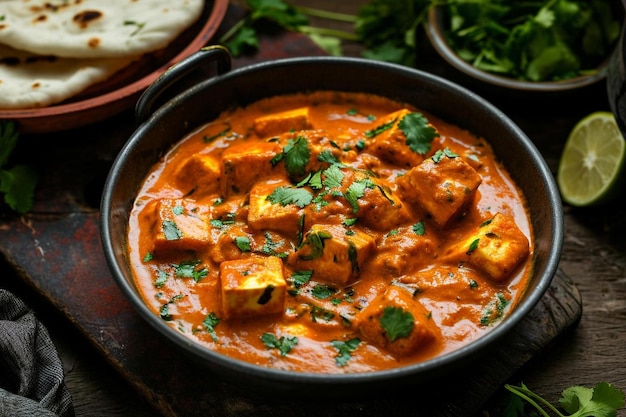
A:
[94,28]
[32,81]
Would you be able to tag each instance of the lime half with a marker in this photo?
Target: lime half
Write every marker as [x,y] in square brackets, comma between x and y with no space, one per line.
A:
[592,162]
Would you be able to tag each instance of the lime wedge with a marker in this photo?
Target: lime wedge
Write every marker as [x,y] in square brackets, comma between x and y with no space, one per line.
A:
[590,169]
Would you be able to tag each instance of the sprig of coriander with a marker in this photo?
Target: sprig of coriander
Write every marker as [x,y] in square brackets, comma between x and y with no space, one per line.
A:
[18,182]
[603,400]
[243,35]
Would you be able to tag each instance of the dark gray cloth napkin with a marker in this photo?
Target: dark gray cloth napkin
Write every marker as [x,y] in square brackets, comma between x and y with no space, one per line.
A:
[31,372]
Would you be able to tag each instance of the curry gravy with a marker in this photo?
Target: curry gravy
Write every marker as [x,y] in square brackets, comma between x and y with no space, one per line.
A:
[330,232]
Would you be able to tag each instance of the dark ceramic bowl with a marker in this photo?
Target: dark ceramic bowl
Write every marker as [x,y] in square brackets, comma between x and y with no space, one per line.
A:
[161,129]
[435,30]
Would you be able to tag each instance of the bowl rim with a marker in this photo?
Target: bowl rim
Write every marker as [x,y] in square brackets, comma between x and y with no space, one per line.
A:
[431,366]
[436,35]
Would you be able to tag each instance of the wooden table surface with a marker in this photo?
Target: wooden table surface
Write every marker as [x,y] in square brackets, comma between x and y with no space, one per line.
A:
[594,257]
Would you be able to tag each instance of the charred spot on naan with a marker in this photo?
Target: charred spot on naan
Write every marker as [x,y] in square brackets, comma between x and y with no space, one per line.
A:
[86,17]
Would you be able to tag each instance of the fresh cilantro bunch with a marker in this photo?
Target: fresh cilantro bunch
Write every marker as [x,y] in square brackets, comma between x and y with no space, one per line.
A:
[603,400]
[546,40]
[18,182]
[243,36]
[388,29]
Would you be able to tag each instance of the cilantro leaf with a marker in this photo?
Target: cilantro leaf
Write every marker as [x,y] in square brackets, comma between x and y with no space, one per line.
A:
[18,185]
[332,177]
[345,350]
[300,278]
[187,269]
[209,322]
[8,139]
[171,231]
[356,190]
[288,195]
[295,155]
[315,241]
[243,243]
[418,132]
[600,401]
[396,322]
[284,344]
[603,400]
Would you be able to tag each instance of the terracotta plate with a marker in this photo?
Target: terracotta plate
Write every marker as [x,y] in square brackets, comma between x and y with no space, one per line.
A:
[120,92]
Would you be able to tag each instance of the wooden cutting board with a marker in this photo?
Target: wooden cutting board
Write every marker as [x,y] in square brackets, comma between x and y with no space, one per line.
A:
[56,249]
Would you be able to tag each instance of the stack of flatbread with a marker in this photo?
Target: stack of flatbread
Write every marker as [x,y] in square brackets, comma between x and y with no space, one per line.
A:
[51,50]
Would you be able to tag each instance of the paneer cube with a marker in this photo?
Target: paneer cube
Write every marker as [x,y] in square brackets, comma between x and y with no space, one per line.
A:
[246,164]
[397,322]
[380,208]
[391,145]
[277,123]
[266,215]
[336,256]
[405,250]
[441,185]
[251,287]
[496,247]
[179,224]
[200,173]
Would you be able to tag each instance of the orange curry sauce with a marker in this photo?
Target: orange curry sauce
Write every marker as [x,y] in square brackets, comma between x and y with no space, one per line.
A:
[330,232]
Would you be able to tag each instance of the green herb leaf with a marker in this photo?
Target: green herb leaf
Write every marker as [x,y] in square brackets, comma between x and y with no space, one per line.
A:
[397,323]
[315,241]
[345,350]
[171,231]
[299,278]
[603,400]
[284,344]
[209,322]
[243,243]
[296,156]
[289,195]
[419,228]
[419,134]
[18,185]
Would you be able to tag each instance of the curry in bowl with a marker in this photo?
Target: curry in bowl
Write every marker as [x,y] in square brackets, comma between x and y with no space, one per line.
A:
[330,232]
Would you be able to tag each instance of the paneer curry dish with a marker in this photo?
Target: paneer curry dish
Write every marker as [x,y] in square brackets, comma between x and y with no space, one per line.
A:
[330,232]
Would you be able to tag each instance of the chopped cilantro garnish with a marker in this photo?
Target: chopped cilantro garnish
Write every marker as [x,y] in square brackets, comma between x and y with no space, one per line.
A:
[178,210]
[289,195]
[148,257]
[171,231]
[243,243]
[440,154]
[473,246]
[209,322]
[299,278]
[396,322]
[284,344]
[356,190]
[379,129]
[161,279]
[419,228]
[345,350]
[322,292]
[315,241]
[419,134]
[296,155]
[187,269]
[332,177]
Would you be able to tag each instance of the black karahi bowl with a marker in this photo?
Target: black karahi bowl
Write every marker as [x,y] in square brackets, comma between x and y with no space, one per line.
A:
[159,130]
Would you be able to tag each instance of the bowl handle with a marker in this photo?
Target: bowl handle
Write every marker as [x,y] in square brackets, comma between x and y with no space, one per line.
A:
[146,101]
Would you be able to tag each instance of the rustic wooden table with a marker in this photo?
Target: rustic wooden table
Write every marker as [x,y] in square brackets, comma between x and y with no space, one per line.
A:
[594,253]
